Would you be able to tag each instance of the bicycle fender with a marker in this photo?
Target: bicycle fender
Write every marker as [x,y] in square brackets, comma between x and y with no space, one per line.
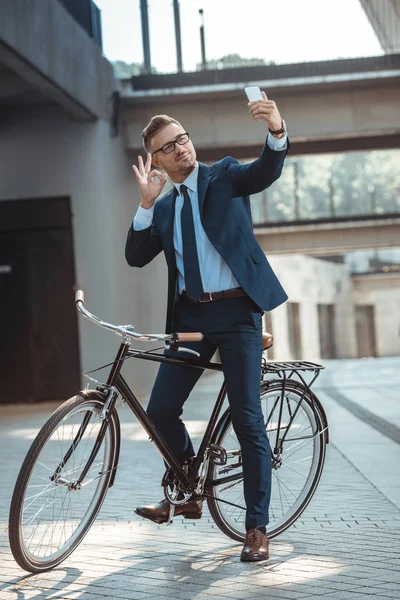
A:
[298,384]
[117,446]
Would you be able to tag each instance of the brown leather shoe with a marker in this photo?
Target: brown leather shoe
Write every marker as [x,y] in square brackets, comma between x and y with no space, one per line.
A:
[159,512]
[256,546]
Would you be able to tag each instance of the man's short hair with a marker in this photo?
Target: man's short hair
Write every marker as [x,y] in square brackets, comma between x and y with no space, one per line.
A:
[155,125]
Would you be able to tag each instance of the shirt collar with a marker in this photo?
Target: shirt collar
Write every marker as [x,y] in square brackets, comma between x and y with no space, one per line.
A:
[190,181]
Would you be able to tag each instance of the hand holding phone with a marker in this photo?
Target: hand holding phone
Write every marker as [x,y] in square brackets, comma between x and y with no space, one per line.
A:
[265,110]
[253,93]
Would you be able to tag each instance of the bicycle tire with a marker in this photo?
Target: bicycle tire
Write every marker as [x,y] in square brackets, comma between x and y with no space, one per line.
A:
[314,407]
[89,400]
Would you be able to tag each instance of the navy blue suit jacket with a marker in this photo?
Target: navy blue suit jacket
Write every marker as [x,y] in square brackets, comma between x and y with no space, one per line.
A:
[223,192]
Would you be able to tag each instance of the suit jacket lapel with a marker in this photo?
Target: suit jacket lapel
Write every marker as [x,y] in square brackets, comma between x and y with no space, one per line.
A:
[203,181]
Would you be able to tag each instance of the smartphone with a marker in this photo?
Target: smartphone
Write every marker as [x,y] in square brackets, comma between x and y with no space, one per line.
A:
[253,92]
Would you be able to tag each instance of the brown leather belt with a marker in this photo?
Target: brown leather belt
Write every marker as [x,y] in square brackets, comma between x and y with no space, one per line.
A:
[224,295]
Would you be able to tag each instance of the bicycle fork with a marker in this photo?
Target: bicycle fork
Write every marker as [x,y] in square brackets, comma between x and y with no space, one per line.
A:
[104,417]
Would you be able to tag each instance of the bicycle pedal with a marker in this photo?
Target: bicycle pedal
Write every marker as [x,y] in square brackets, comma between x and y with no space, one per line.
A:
[218,455]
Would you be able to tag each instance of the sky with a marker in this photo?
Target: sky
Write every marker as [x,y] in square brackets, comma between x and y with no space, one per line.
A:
[275,30]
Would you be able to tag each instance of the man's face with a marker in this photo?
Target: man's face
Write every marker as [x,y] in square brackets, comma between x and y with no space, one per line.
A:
[178,163]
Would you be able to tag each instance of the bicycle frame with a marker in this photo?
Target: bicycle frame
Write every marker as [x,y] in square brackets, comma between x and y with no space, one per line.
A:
[116,382]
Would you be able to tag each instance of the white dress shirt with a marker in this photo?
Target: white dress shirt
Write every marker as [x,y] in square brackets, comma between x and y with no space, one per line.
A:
[215,273]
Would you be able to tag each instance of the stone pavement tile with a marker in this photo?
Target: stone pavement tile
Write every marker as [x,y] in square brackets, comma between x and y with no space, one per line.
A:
[370,590]
[362,582]
[84,595]
[387,576]
[347,596]
[282,593]
[346,579]
[54,591]
[390,586]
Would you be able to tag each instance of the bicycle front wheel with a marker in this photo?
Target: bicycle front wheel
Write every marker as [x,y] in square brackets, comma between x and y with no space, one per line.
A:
[296,470]
[49,516]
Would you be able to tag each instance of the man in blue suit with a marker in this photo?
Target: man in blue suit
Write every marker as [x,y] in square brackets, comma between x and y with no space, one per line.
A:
[219,283]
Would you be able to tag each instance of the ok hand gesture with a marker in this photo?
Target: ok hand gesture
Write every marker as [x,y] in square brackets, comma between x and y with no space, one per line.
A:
[151,182]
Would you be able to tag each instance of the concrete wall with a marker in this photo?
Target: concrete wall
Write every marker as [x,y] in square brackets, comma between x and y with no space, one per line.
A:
[41,41]
[383,292]
[310,281]
[46,154]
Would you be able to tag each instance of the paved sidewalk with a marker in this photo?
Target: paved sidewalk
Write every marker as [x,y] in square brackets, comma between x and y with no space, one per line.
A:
[345,545]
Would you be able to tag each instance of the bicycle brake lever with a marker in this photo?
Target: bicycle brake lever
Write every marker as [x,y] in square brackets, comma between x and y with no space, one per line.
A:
[182,349]
[128,327]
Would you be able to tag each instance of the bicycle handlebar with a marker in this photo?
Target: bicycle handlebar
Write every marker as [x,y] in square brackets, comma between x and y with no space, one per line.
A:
[189,337]
[129,330]
[79,296]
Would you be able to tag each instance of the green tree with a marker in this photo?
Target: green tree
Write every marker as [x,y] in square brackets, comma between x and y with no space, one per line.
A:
[352,183]
[232,60]
[123,70]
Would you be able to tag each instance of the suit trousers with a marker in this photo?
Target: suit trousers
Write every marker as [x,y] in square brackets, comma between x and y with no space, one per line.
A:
[234,326]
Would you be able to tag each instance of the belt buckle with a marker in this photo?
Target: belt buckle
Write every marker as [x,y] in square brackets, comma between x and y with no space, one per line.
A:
[209,299]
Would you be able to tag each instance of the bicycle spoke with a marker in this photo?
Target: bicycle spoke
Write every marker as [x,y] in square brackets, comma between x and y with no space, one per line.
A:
[294,471]
[48,489]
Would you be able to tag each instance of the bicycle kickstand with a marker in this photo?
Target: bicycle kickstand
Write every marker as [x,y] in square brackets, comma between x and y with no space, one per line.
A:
[171,514]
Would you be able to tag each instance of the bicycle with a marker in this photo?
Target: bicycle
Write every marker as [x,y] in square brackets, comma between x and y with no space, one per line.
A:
[74,458]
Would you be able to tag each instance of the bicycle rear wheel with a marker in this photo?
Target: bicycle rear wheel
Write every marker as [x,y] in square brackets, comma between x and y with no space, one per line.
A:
[295,472]
[48,517]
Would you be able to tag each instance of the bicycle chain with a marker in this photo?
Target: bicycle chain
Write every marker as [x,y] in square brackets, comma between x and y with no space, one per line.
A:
[231,485]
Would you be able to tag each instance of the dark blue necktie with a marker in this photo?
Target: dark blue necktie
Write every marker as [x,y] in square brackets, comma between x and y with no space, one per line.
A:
[193,284]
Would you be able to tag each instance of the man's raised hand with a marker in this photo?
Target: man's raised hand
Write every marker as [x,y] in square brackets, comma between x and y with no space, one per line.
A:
[151,182]
[266,110]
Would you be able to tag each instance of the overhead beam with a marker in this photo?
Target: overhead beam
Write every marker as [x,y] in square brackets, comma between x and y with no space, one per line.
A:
[334,237]
[36,80]
[298,147]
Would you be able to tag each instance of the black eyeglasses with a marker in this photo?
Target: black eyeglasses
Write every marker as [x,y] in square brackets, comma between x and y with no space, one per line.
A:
[169,147]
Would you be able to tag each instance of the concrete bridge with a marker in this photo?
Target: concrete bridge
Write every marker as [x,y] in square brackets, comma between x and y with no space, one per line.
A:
[330,106]
[330,236]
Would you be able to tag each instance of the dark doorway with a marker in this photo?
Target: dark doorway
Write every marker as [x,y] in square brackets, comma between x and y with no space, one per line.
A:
[294,330]
[365,330]
[326,320]
[39,350]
